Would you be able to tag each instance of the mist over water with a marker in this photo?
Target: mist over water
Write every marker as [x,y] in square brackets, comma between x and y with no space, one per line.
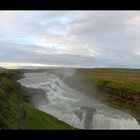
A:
[63,73]
[75,108]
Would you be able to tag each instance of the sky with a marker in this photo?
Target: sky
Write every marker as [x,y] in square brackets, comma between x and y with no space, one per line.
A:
[70,38]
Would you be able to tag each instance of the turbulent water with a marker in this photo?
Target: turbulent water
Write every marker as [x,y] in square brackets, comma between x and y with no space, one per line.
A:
[75,108]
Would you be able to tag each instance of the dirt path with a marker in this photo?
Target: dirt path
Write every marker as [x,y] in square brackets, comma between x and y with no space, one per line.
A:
[24,116]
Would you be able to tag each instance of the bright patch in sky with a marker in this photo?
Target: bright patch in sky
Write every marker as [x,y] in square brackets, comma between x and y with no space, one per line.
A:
[18,65]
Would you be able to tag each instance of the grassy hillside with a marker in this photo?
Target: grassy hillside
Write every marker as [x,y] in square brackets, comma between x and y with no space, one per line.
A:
[39,120]
[11,113]
[125,79]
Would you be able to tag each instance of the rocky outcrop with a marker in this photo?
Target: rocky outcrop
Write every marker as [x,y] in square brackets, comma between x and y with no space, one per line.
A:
[132,96]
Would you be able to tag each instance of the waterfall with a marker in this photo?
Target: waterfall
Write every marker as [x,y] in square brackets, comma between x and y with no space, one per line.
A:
[102,122]
[75,108]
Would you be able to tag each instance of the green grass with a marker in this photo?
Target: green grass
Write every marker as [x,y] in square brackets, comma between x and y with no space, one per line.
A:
[124,79]
[11,113]
[9,105]
[40,120]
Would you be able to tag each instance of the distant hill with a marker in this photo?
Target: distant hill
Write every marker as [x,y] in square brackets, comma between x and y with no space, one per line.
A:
[31,69]
[35,67]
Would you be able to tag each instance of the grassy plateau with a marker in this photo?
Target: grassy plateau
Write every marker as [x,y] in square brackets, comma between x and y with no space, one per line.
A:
[123,79]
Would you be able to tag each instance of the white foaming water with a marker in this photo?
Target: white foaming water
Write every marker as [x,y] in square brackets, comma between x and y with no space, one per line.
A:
[102,122]
[75,108]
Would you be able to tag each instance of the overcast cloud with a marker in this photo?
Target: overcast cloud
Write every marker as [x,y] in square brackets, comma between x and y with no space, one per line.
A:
[71,38]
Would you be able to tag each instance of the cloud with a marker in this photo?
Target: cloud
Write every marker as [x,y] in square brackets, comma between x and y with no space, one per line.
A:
[74,38]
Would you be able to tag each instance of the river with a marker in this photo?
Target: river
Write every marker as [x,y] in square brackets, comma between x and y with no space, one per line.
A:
[73,107]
